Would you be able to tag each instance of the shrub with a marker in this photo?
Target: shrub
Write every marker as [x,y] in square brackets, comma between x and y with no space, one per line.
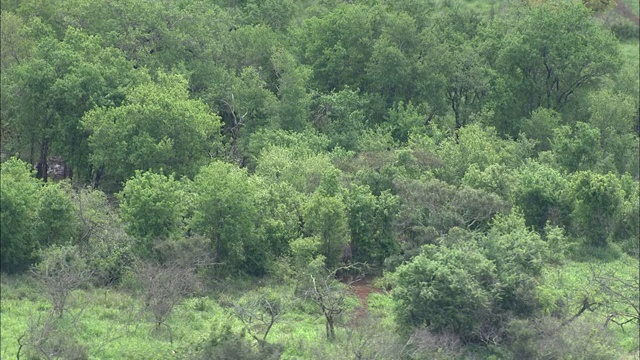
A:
[547,338]
[33,215]
[102,239]
[597,202]
[225,344]
[61,270]
[18,211]
[625,30]
[50,338]
[448,288]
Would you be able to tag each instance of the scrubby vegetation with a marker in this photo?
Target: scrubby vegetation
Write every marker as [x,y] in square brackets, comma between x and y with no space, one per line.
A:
[319,179]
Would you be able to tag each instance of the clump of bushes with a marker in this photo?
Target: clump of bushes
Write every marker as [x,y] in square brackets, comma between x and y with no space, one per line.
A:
[625,30]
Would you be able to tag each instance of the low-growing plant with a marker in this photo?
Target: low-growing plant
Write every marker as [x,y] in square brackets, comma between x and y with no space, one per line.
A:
[226,344]
[61,270]
[50,337]
[548,338]
[163,287]
[625,30]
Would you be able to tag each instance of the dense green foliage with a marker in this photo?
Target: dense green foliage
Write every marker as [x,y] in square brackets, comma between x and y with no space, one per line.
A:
[34,215]
[174,151]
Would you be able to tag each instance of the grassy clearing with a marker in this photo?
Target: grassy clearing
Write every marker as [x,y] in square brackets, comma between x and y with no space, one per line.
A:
[571,283]
[629,52]
[111,325]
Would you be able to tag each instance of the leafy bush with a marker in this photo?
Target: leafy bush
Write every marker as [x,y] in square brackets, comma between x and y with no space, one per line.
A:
[153,206]
[547,338]
[597,203]
[470,283]
[33,215]
[225,344]
[102,240]
[539,192]
[446,288]
[19,212]
[625,30]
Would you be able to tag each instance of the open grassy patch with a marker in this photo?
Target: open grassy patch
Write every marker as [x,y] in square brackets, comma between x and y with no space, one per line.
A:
[109,323]
[608,288]
[629,52]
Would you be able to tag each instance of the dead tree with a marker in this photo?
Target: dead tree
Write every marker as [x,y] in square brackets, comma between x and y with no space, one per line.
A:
[259,314]
[237,122]
[620,296]
[47,336]
[612,295]
[61,271]
[330,295]
[368,339]
[164,287]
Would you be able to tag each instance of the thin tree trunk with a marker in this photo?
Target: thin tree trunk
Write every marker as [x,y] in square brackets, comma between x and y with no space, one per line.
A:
[331,334]
[97,176]
[32,149]
[43,166]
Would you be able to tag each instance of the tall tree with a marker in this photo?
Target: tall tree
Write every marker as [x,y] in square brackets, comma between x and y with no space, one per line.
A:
[325,217]
[597,200]
[549,53]
[390,68]
[34,215]
[19,211]
[154,207]
[577,148]
[338,45]
[453,74]
[158,127]
[15,45]
[225,213]
[293,93]
[47,95]
[371,225]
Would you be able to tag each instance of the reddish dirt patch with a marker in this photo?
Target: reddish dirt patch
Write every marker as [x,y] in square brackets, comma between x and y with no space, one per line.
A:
[362,289]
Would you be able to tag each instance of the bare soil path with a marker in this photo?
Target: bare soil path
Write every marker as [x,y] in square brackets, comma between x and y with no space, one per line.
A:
[362,289]
[626,12]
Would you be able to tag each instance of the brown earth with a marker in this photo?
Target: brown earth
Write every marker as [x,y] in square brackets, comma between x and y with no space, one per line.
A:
[362,289]
[626,12]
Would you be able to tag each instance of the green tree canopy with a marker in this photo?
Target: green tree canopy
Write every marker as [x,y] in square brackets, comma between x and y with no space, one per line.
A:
[158,127]
[371,224]
[19,213]
[153,206]
[33,215]
[597,199]
[47,95]
[225,213]
[547,54]
[446,288]
[338,45]
[325,218]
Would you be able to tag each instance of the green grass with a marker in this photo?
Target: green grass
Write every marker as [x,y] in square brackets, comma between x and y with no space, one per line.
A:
[570,284]
[109,325]
[629,53]
[633,5]
[110,328]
